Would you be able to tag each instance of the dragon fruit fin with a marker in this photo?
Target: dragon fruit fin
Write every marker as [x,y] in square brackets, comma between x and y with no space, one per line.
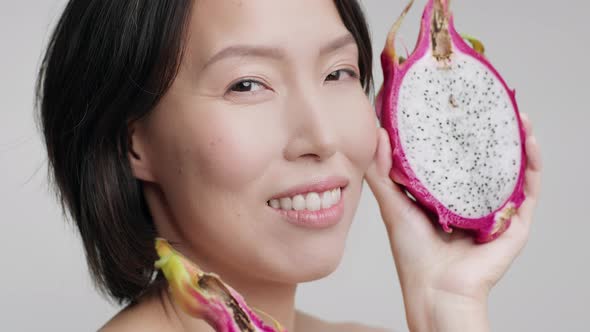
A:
[276,323]
[390,44]
[476,44]
[402,41]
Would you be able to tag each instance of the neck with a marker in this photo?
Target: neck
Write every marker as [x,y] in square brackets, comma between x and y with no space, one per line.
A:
[275,299]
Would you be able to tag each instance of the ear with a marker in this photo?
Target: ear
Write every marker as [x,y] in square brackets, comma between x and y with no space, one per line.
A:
[138,154]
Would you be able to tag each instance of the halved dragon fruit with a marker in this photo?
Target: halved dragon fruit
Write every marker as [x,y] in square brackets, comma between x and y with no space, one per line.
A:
[458,141]
[205,296]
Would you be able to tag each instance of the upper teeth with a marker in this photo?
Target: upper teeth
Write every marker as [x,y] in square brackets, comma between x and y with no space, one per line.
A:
[311,201]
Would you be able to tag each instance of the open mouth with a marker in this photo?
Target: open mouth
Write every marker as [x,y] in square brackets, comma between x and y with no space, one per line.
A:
[310,201]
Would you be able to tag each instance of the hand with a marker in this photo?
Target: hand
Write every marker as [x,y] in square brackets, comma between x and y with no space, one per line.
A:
[432,264]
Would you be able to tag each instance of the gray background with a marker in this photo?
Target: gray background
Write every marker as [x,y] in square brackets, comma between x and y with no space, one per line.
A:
[541,47]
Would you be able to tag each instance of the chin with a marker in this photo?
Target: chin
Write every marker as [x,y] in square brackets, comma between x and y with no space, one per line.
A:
[307,265]
[319,256]
[319,271]
[303,255]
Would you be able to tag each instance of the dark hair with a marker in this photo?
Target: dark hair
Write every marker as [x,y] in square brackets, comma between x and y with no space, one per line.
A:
[107,63]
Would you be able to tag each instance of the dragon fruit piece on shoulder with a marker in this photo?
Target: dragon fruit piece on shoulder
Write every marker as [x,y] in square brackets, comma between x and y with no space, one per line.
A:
[458,143]
[205,296]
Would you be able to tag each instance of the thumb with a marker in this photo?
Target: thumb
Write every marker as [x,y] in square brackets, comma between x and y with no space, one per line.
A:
[393,202]
[382,162]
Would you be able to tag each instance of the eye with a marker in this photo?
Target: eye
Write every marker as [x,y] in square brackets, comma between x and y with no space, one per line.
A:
[337,75]
[247,85]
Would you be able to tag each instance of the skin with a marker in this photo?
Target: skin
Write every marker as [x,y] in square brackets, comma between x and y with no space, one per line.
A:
[214,151]
[446,278]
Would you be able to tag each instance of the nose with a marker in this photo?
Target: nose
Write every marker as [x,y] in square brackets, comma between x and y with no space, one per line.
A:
[312,129]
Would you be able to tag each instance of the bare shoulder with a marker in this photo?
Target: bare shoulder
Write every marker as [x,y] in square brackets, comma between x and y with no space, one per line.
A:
[146,317]
[307,322]
[150,314]
[356,327]
[134,318]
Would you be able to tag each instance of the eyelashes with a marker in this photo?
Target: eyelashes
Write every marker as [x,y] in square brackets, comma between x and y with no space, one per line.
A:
[335,75]
[251,85]
[247,85]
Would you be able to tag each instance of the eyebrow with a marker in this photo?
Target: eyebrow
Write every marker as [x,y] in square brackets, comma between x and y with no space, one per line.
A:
[337,44]
[274,52]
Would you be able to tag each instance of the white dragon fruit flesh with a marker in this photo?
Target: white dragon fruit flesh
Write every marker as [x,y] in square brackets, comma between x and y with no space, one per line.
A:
[457,137]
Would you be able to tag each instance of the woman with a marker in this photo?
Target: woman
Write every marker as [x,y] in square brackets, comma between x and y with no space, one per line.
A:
[203,122]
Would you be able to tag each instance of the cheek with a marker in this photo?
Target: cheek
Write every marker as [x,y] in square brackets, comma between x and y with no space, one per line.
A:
[229,152]
[210,146]
[358,131]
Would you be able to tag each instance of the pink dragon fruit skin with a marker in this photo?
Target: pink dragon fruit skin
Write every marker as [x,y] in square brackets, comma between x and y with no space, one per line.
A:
[489,224]
[205,296]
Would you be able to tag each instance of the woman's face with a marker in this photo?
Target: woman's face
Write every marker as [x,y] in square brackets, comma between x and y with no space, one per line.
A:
[267,99]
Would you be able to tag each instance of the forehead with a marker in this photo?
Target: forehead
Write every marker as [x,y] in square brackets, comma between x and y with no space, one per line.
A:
[298,26]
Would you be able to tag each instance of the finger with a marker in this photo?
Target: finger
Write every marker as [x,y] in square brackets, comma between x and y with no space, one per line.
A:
[532,185]
[526,210]
[393,202]
[526,122]
[518,232]
[383,154]
[377,175]
[533,154]
[401,215]
[502,251]
[533,172]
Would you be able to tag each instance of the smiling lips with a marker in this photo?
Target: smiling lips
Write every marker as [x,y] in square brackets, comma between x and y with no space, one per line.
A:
[316,205]
[312,201]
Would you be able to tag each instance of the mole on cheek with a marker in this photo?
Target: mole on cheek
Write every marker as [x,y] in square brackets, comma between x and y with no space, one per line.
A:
[214,142]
